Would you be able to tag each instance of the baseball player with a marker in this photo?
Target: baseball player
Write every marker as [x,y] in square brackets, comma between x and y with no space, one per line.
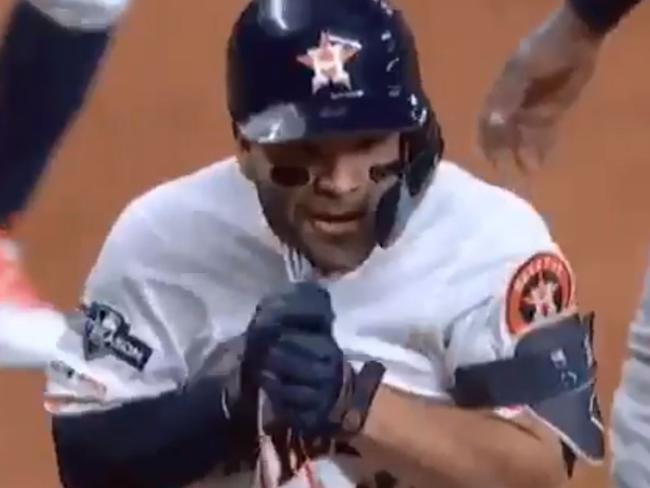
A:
[49,55]
[333,306]
[538,84]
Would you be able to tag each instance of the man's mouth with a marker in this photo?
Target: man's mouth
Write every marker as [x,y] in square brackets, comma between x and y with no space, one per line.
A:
[334,223]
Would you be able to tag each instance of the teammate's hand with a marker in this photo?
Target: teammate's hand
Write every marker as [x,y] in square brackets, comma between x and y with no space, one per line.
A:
[311,386]
[538,84]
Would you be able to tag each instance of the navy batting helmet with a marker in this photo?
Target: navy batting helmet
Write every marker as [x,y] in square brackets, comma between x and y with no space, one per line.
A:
[313,68]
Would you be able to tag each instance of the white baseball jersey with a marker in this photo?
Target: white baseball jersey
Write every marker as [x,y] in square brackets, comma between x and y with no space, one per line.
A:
[630,433]
[185,264]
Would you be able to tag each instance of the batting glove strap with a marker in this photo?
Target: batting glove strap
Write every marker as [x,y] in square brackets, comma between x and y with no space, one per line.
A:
[357,394]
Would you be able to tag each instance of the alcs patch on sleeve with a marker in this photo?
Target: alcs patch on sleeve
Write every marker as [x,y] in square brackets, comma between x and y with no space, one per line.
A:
[106,332]
[541,288]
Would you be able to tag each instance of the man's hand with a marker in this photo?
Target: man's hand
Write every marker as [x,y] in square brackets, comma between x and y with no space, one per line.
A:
[538,84]
[310,385]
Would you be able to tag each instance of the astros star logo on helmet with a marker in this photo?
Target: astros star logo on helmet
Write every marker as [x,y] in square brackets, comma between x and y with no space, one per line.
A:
[328,61]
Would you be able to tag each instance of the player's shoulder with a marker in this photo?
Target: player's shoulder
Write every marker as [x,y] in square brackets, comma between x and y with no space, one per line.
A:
[215,194]
[208,188]
[502,269]
[191,216]
[479,236]
[469,208]
[489,202]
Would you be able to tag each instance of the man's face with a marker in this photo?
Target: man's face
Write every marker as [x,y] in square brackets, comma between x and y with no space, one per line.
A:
[319,196]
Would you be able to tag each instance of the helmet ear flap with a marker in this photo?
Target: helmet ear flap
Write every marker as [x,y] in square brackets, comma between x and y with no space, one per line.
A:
[386,215]
[422,149]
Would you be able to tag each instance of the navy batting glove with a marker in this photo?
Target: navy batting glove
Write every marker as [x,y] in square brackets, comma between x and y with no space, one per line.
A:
[311,386]
[306,304]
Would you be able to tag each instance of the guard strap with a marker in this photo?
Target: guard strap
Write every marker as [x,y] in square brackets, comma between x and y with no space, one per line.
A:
[549,361]
[553,372]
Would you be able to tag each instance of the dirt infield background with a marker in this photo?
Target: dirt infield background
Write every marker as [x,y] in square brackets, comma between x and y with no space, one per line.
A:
[159,112]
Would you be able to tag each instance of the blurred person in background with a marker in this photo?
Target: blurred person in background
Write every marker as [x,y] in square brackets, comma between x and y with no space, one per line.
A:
[519,121]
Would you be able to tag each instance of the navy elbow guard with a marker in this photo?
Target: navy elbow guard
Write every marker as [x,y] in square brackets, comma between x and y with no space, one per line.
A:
[602,15]
[553,372]
[45,74]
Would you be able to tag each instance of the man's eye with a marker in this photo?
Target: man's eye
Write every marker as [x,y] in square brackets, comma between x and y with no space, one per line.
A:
[309,150]
[380,172]
[367,143]
[290,175]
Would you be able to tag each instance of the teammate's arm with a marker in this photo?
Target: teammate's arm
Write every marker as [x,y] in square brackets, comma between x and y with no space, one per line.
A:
[50,53]
[543,78]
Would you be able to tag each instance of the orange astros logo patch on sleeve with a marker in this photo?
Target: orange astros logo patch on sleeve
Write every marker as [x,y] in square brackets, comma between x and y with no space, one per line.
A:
[540,289]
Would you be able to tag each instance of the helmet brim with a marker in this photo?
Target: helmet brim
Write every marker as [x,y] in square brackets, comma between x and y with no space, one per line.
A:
[348,116]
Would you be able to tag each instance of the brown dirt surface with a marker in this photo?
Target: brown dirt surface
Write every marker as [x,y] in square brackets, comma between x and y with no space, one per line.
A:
[159,111]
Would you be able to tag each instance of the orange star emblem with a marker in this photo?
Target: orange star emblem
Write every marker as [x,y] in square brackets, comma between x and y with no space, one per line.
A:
[328,61]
